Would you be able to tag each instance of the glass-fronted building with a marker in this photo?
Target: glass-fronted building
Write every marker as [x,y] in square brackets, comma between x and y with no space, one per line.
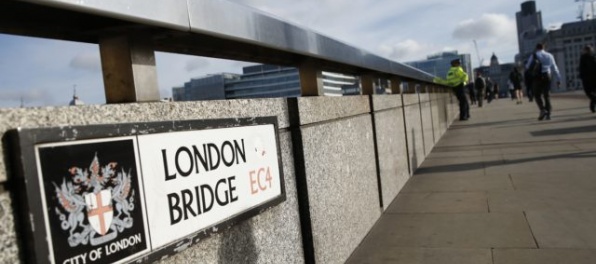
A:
[262,81]
[439,64]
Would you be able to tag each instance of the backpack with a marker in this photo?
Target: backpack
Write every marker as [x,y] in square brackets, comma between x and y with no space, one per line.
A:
[535,69]
[515,78]
[479,83]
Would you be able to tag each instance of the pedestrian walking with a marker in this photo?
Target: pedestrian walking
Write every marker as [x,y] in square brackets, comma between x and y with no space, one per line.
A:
[471,93]
[457,78]
[528,83]
[480,86]
[542,65]
[489,90]
[516,79]
[587,72]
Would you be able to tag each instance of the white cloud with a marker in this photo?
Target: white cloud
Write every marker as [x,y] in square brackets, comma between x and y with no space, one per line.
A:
[408,49]
[488,26]
[89,61]
[195,64]
[29,97]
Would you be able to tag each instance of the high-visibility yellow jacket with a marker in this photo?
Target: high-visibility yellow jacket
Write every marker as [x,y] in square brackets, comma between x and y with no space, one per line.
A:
[455,77]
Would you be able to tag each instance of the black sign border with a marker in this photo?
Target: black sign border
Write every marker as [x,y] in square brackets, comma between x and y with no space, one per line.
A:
[22,143]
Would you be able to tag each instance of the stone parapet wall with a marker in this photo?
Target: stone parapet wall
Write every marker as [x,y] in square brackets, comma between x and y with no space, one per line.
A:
[344,160]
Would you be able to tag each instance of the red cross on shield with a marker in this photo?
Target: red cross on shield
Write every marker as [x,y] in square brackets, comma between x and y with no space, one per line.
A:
[99,210]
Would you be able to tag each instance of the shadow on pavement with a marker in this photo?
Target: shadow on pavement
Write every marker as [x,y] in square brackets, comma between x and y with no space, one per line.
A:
[564,131]
[486,164]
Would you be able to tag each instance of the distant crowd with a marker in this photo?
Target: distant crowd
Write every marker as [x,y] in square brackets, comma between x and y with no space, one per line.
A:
[539,71]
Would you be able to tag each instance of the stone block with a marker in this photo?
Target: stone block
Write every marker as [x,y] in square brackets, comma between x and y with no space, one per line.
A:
[392,153]
[386,101]
[342,185]
[410,99]
[544,256]
[323,108]
[415,136]
[427,127]
[440,202]
[421,255]
[462,230]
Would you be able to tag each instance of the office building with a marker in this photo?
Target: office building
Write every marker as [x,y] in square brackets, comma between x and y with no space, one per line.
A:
[498,74]
[439,64]
[210,87]
[529,30]
[264,81]
[566,45]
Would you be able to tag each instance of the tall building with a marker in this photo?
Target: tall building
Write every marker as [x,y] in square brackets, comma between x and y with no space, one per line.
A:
[566,45]
[529,29]
[498,74]
[210,87]
[439,64]
[264,81]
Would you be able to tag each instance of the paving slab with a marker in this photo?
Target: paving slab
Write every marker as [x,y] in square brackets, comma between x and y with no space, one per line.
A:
[441,202]
[544,256]
[545,163]
[564,228]
[477,230]
[457,182]
[453,152]
[522,200]
[421,256]
[568,181]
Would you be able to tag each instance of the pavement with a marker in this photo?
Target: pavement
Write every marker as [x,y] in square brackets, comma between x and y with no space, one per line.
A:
[500,188]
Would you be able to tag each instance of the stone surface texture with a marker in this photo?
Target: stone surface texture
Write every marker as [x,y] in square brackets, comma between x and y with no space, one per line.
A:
[393,157]
[316,109]
[342,185]
[11,118]
[386,101]
[415,136]
[427,127]
[410,99]
[9,251]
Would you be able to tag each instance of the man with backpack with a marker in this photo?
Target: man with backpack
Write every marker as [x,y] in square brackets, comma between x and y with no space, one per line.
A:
[587,72]
[480,87]
[541,65]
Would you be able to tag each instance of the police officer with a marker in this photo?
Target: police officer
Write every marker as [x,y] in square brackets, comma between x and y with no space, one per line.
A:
[457,78]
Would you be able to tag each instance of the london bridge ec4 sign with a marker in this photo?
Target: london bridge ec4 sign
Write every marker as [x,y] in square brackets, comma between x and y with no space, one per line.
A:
[126,192]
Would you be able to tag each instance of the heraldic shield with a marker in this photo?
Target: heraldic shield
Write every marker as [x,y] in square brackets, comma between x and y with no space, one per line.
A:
[99,210]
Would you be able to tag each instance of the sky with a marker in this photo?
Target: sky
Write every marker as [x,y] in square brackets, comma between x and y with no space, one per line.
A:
[41,72]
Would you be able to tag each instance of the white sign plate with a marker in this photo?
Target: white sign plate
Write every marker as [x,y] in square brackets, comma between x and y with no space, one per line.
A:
[195,179]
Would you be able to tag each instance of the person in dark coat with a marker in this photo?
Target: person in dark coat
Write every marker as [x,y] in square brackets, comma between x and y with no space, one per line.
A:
[480,86]
[516,80]
[587,72]
[528,83]
[471,93]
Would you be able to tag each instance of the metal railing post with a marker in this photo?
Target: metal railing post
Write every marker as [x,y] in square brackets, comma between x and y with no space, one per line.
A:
[128,65]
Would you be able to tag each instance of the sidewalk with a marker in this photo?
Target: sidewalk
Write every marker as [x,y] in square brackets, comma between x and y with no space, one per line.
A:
[500,188]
